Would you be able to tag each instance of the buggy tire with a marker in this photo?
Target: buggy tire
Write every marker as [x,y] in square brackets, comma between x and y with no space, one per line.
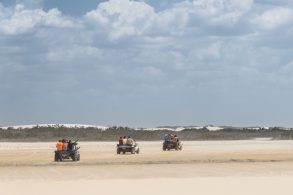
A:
[56,157]
[74,157]
[124,152]
[118,151]
[132,150]
[137,151]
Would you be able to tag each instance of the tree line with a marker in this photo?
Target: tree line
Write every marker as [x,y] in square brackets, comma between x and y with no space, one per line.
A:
[112,134]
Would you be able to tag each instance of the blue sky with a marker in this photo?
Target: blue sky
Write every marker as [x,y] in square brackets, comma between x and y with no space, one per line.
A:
[146,63]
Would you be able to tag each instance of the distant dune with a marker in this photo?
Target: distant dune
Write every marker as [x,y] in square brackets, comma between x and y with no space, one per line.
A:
[54,126]
[52,132]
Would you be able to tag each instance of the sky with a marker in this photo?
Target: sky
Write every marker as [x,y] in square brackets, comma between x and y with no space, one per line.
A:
[146,63]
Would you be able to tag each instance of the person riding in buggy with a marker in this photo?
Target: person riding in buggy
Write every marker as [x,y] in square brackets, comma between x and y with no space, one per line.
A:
[127,145]
[67,150]
[171,142]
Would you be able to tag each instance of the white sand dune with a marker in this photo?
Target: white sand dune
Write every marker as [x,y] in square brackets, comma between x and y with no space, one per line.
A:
[54,126]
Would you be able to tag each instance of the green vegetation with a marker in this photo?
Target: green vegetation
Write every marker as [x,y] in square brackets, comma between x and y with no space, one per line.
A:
[94,134]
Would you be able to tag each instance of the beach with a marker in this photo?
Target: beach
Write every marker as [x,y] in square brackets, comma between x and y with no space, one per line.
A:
[203,167]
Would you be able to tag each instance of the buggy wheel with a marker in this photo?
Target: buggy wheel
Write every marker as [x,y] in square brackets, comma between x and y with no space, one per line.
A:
[78,157]
[74,157]
[55,157]
[124,152]
[137,152]
[133,151]
[59,157]
[118,151]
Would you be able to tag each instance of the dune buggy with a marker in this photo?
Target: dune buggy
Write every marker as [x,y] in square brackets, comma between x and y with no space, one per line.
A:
[127,148]
[169,145]
[68,154]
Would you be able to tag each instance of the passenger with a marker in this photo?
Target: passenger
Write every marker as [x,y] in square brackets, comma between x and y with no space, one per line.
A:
[124,140]
[166,137]
[65,144]
[129,141]
[172,137]
[70,146]
[175,138]
[120,141]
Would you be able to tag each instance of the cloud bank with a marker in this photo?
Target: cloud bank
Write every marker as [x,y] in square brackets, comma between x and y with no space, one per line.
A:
[128,62]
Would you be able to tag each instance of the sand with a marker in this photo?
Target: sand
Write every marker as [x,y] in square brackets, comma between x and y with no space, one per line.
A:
[203,167]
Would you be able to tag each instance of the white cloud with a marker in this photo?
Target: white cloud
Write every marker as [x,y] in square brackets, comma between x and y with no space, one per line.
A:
[22,20]
[122,17]
[274,18]
[204,49]
[172,21]
[222,11]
